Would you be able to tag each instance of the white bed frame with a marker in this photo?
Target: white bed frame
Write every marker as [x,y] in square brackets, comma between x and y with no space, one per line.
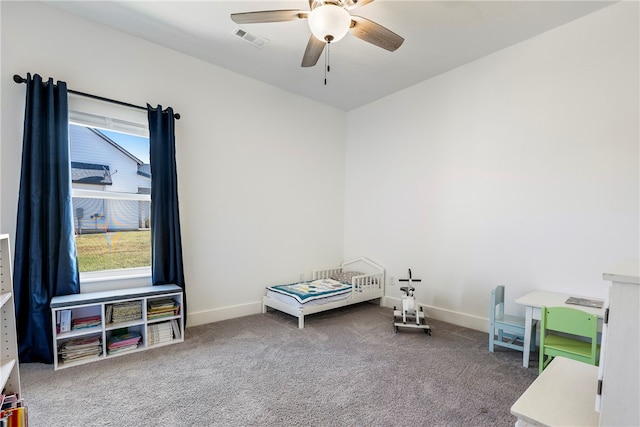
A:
[366,287]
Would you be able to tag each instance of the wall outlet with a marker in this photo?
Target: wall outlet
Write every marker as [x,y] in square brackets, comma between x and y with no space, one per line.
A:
[392,280]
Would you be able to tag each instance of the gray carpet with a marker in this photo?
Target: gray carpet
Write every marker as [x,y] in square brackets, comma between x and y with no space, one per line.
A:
[346,368]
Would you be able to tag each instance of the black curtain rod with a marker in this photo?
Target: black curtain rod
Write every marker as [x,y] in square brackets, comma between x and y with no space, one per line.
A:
[19,79]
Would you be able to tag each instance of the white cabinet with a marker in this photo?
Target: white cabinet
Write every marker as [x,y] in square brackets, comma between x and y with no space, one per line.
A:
[93,326]
[619,373]
[563,396]
[9,367]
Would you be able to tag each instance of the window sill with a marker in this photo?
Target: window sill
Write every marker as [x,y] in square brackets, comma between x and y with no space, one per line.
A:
[118,279]
[100,276]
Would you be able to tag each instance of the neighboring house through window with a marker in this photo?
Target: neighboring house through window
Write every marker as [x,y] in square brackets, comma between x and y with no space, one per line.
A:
[111,186]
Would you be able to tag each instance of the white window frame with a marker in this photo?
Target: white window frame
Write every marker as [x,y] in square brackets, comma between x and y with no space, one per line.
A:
[84,115]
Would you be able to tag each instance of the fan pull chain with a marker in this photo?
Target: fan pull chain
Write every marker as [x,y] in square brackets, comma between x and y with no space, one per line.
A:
[327,66]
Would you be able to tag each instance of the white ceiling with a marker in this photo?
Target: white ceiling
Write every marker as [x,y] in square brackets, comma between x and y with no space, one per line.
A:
[439,36]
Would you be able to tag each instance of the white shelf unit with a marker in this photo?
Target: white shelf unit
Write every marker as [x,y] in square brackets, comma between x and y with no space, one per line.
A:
[9,366]
[96,304]
[619,372]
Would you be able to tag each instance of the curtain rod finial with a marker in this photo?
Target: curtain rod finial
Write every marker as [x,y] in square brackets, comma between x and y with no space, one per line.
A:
[177,116]
[18,79]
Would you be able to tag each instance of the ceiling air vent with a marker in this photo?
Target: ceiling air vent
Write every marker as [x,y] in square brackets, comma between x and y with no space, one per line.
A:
[253,39]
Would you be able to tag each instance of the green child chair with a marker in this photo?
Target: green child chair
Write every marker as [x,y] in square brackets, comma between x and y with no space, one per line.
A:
[568,332]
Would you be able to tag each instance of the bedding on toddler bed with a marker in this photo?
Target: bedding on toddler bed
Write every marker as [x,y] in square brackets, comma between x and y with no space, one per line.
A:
[313,290]
[329,288]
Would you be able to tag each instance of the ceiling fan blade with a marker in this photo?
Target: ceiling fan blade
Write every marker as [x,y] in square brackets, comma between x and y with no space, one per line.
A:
[312,52]
[374,33]
[268,16]
[352,4]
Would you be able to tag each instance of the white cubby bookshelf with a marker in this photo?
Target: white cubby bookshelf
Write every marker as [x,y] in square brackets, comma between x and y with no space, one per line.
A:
[100,306]
[9,366]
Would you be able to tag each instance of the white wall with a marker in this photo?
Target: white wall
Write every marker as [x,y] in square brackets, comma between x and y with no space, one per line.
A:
[520,169]
[256,202]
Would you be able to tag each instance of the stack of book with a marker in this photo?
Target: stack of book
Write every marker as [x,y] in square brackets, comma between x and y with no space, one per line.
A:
[13,411]
[118,344]
[124,311]
[86,322]
[159,332]
[77,349]
[163,307]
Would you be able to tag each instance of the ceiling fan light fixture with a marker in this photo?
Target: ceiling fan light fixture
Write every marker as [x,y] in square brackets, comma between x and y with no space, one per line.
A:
[329,22]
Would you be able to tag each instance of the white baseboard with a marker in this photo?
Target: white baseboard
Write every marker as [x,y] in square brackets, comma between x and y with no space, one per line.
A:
[456,318]
[224,313]
[444,315]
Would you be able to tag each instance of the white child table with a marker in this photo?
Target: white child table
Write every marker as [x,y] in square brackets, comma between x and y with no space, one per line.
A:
[533,301]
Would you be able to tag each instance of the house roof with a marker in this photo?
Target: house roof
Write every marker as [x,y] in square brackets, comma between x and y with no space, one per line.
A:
[90,173]
[144,169]
[117,146]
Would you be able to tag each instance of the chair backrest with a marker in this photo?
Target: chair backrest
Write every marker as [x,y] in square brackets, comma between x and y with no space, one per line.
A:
[497,302]
[571,321]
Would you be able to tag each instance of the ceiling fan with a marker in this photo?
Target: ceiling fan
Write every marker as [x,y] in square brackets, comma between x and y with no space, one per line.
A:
[329,21]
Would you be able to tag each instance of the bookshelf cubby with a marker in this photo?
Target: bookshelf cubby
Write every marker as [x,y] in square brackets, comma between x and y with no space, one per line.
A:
[9,367]
[15,412]
[102,325]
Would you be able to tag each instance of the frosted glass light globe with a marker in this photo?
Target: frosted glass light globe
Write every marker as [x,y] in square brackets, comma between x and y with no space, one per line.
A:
[329,23]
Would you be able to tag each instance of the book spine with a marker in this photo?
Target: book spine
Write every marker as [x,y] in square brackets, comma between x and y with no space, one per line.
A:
[65,320]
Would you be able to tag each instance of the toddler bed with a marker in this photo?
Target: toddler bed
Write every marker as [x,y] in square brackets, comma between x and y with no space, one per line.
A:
[353,282]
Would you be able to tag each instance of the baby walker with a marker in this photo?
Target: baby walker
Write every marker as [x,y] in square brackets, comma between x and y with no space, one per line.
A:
[409,317]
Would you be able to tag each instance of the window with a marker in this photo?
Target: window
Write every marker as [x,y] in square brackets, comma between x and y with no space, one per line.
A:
[111,186]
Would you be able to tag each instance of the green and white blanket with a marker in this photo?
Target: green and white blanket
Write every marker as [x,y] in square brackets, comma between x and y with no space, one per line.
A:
[312,290]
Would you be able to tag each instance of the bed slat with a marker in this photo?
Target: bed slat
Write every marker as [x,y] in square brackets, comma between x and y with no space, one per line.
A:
[326,273]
